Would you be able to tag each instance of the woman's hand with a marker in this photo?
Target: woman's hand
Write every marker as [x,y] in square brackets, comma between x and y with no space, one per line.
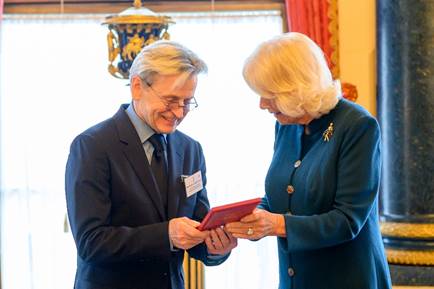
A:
[220,242]
[257,225]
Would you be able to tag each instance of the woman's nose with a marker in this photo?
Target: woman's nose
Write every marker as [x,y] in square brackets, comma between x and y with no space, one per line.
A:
[264,103]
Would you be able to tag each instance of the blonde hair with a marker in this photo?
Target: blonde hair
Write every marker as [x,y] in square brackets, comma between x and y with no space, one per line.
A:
[291,69]
[166,58]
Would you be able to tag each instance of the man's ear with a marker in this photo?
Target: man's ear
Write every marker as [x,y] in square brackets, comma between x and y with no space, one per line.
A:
[136,87]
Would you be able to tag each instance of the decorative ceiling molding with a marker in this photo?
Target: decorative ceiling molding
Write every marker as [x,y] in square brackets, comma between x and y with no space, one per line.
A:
[111,6]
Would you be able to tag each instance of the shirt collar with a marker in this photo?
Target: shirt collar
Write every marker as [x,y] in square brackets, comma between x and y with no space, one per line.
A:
[143,129]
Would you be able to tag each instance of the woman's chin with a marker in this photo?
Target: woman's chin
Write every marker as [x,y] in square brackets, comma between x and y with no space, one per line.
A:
[283,119]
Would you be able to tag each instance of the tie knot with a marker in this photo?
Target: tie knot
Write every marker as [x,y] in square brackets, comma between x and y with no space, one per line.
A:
[157,140]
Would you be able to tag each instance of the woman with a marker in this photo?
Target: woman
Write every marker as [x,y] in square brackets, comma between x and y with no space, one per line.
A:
[322,184]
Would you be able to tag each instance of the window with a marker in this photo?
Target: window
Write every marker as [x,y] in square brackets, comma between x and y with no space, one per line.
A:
[54,84]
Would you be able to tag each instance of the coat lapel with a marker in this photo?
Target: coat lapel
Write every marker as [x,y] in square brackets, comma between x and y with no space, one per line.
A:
[133,150]
[176,187]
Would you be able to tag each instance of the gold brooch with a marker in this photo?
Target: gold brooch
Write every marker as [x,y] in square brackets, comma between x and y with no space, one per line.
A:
[327,134]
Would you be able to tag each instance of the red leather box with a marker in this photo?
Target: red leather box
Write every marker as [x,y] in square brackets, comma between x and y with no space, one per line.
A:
[233,212]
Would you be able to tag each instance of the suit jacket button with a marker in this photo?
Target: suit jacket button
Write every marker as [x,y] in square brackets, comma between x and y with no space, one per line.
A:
[297,164]
[291,272]
[290,189]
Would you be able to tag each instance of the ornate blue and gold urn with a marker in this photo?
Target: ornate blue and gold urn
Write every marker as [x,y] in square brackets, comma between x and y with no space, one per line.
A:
[129,32]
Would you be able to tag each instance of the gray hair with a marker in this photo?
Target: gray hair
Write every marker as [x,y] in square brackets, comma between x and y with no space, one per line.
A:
[166,58]
[292,69]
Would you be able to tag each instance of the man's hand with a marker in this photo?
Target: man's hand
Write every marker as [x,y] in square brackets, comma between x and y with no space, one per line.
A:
[183,233]
[220,242]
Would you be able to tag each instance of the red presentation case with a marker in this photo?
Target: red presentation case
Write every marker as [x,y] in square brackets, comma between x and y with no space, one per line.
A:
[233,212]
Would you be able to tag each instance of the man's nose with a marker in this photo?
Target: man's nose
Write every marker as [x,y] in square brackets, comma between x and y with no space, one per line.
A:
[179,111]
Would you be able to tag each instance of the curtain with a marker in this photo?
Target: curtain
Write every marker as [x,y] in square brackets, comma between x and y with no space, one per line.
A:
[318,19]
[55,84]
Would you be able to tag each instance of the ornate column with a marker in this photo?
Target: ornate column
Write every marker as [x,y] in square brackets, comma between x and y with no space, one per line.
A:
[405,74]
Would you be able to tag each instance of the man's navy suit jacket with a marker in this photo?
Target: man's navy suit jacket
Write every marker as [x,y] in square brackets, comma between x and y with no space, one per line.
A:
[116,214]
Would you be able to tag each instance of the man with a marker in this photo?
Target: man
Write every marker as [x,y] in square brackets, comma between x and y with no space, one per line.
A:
[135,186]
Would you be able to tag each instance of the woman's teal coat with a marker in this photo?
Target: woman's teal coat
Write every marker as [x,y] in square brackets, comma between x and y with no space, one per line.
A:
[333,238]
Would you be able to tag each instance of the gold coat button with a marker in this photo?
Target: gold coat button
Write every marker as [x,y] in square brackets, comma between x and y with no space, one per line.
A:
[297,164]
[291,272]
[290,189]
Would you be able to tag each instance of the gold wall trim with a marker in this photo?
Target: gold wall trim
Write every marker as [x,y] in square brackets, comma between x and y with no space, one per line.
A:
[410,257]
[193,273]
[413,287]
[407,230]
[333,28]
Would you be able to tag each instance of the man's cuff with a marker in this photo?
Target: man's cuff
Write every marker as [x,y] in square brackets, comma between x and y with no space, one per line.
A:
[173,248]
[216,256]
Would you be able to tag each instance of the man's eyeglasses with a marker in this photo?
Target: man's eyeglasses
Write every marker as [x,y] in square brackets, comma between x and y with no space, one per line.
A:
[175,102]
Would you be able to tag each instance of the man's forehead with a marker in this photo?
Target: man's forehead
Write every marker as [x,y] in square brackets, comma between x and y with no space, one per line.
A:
[175,81]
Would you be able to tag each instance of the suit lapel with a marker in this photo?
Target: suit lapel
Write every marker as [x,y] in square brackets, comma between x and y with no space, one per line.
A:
[176,187]
[133,150]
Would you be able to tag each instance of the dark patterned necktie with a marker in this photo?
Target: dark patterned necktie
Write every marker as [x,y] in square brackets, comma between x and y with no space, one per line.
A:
[159,165]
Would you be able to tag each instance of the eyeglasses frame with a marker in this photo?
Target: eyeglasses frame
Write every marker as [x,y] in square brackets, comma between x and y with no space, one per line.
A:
[170,105]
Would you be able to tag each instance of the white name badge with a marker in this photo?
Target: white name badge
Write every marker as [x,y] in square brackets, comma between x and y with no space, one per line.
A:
[193,183]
